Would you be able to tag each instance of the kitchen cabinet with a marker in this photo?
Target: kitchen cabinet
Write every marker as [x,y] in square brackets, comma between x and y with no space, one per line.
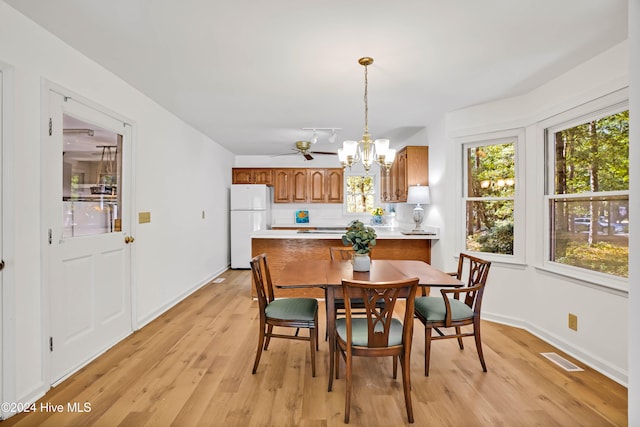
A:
[308,185]
[325,185]
[252,176]
[411,167]
[290,185]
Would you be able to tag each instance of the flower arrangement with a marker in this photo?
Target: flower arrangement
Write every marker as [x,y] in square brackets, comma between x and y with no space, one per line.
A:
[360,237]
[377,211]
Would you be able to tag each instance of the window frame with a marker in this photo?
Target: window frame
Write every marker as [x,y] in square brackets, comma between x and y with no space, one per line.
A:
[600,108]
[375,192]
[517,136]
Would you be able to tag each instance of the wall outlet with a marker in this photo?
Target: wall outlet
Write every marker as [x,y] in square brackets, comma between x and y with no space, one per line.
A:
[573,322]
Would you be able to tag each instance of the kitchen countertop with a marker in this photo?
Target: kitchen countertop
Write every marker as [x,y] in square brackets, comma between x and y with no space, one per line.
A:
[382,233]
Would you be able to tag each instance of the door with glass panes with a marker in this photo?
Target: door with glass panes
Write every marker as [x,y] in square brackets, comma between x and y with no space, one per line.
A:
[88,232]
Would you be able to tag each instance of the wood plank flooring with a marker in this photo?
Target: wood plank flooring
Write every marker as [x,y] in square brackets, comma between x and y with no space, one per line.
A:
[192,367]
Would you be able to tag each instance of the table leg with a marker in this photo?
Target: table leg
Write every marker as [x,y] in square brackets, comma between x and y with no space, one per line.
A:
[329,298]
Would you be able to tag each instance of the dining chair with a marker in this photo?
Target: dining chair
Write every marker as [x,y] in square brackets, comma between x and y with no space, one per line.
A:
[345,253]
[283,312]
[379,334]
[447,310]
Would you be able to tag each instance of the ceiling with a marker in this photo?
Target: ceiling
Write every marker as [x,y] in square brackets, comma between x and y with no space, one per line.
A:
[252,74]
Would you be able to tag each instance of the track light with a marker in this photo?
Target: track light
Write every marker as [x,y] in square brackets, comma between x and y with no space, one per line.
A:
[332,138]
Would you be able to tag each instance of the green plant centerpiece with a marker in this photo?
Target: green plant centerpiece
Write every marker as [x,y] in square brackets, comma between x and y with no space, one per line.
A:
[361,238]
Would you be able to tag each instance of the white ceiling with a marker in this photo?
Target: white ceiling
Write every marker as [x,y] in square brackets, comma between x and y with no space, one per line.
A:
[252,74]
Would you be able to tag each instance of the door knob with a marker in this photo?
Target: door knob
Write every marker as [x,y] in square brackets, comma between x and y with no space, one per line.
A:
[1,264]
[128,239]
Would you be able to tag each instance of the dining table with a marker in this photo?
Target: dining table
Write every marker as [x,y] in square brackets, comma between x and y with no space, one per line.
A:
[328,275]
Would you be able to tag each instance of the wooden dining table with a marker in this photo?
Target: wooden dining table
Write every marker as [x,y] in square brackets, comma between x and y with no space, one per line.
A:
[329,274]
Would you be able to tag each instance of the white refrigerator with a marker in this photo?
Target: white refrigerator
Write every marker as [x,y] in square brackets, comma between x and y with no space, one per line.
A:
[250,211]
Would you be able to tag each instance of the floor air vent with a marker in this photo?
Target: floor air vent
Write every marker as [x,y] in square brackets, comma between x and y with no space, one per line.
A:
[562,362]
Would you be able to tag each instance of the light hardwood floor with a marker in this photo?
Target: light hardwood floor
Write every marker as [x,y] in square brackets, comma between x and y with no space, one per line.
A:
[192,367]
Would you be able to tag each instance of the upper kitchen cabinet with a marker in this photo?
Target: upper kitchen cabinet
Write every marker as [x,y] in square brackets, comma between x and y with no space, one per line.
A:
[411,167]
[308,185]
[252,176]
[325,185]
[290,186]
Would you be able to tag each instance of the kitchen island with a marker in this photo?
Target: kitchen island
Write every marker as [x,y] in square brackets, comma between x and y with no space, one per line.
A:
[281,246]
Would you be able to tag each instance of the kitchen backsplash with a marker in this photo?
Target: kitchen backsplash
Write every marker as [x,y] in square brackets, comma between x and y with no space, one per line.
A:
[332,215]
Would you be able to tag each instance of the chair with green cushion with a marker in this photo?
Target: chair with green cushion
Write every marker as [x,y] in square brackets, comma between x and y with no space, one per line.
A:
[346,253]
[448,311]
[378,334]
[284,312]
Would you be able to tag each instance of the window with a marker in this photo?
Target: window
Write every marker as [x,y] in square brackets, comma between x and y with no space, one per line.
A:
[588,192]
[360,194]
[489,195]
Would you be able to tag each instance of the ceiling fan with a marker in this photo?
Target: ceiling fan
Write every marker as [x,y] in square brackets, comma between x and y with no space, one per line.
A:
[303,147]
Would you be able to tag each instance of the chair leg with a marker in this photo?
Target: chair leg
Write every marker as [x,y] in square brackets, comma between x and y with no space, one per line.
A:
[427,350]
[458,332]
[259,351]
[268,340]
[347,401]
[406,382]
[313,340]
[395,367]
[476,335]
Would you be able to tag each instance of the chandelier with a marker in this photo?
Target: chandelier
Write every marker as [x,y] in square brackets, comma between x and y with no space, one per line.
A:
[363,150]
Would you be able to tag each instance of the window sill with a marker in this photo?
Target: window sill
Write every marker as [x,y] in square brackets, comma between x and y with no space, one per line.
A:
[600,281]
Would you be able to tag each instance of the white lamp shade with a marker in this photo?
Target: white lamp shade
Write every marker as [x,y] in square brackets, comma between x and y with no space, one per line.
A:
[349,148]
[342,155]
[391,156]
[382,147]
[418,195]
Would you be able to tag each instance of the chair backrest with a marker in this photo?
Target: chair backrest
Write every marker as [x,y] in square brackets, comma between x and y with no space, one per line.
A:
[262,280]
[338,253]
[478,272]
[379,315]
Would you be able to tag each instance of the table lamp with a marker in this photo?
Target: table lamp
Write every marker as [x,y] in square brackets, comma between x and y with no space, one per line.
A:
[418,195]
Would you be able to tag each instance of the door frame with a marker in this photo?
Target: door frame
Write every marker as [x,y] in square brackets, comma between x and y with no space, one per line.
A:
[7,294]
[46,88]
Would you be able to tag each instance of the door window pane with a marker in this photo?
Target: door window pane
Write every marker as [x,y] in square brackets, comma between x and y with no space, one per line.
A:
[91,179]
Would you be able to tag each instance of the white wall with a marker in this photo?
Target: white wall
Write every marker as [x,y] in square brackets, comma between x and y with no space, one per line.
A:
[523,295]
[178,173]
[634,212]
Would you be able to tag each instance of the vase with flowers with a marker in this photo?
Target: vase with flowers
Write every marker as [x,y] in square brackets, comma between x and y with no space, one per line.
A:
[376,215]
[361,238]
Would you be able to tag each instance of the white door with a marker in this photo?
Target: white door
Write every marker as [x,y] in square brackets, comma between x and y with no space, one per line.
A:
[86,204]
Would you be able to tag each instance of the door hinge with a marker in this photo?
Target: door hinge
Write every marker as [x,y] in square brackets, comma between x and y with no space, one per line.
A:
[50,236]
[50,343]
[50,126]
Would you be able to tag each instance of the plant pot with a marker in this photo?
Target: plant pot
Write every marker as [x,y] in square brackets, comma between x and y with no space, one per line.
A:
[361,262]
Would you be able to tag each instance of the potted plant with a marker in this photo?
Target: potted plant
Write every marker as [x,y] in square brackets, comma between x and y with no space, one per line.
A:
[361,239]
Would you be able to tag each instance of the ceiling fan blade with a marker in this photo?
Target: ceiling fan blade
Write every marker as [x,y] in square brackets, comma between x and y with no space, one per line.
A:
[324,152]
[307,156]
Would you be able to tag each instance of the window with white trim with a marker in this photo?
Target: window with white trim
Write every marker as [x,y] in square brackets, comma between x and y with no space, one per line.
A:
[492,219]
[587,192]
[359,194]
